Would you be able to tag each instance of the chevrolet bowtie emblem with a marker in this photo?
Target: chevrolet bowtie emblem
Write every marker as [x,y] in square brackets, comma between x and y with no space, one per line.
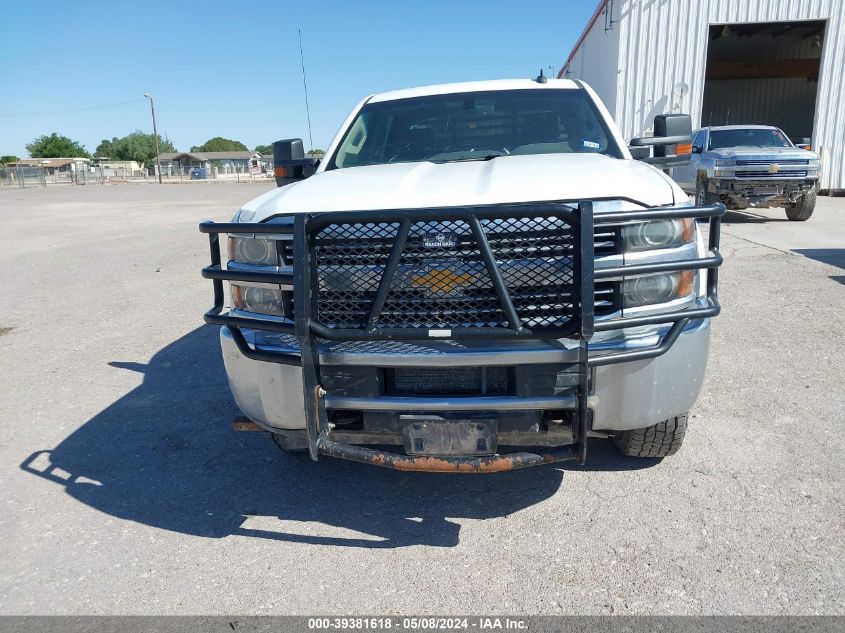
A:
[443,280]
[774,168]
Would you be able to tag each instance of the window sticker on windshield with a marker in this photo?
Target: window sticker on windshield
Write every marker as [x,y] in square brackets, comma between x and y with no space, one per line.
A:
[591,145]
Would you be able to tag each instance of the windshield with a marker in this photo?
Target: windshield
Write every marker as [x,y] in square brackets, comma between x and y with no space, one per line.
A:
[754,137]
[475,126]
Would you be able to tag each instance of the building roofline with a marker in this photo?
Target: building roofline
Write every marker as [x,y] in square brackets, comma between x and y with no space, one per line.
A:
[233,155]
[582,37]
[50,162]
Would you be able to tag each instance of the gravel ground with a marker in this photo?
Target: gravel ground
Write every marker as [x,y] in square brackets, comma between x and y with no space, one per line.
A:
[124,491]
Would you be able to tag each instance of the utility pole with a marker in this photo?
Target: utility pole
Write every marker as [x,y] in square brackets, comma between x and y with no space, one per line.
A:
[155,134]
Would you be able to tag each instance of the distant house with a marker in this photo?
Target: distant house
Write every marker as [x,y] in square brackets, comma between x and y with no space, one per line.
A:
[52,166]
[243,162]
[114,167]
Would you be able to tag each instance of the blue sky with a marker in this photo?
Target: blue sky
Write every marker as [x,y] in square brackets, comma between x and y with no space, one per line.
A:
[232,69]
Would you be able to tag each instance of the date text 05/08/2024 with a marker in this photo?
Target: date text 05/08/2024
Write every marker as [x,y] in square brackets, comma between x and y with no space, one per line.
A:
[418,623]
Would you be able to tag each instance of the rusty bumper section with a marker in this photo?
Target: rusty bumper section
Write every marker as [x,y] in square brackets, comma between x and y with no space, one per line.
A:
[431,464]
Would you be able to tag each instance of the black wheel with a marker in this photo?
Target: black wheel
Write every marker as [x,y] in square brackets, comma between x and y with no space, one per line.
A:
[702,198]
[661,440]
[803,207]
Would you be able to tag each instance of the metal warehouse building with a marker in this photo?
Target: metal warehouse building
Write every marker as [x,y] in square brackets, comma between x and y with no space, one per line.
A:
[776,62]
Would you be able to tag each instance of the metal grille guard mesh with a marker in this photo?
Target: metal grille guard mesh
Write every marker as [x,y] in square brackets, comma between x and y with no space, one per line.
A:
[463,272]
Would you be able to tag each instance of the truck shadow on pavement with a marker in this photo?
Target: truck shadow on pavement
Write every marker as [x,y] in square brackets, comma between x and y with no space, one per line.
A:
[164,455]
[830,256]
[751,216]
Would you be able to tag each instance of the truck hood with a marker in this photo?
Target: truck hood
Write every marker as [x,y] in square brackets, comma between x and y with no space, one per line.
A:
[506,179]
[765,153]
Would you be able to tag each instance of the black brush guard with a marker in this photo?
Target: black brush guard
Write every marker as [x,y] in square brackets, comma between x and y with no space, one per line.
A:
[307,328]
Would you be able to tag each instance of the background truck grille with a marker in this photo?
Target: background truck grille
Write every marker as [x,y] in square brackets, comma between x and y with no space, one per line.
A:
[766,163]
[441,280]
[791,173]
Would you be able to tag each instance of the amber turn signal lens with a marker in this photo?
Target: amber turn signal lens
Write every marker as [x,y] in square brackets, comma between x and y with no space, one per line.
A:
[685,283]
[281,172]
[687,230]
[683,148]
[237,297]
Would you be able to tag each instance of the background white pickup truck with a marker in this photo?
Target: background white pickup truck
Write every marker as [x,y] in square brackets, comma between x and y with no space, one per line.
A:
[751,166]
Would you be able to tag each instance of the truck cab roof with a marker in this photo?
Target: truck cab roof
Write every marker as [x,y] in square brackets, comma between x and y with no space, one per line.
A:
[472,86]
[739,127]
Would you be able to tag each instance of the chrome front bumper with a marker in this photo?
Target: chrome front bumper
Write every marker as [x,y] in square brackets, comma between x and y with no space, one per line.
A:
[627,395]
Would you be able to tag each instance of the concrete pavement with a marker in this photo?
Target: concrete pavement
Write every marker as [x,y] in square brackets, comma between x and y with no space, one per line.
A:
[124,491]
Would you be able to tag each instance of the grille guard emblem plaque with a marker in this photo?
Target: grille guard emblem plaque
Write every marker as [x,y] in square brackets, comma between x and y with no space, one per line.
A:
[441,239]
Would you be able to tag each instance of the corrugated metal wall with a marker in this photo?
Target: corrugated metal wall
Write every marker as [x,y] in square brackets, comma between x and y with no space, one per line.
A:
[662,60]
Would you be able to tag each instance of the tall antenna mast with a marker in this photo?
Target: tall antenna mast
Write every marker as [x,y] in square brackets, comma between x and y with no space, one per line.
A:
[305,86]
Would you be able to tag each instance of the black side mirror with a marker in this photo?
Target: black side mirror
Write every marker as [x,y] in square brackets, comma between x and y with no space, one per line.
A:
[697,149]
[289,162]
[673,126]
[672,140]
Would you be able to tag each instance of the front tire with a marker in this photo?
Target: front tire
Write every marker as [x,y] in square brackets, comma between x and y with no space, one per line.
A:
[702,198]
[803,207]
[661,440]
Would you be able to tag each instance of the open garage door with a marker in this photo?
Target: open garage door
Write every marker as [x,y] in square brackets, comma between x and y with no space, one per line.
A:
[764,73]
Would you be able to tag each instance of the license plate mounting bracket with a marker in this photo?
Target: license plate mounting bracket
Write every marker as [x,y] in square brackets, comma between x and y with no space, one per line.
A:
[448,434]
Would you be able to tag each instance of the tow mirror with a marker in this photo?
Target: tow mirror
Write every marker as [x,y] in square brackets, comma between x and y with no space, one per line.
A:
[289,162]
[672,141]
[640,153]
[696,149]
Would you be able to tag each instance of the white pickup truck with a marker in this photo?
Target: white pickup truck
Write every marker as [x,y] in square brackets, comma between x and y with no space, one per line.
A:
[751,166]
[476,277]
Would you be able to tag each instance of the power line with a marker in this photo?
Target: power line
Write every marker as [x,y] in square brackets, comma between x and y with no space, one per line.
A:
[97,107]
[305,86]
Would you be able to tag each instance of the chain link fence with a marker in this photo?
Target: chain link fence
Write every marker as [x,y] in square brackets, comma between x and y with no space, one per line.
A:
[217,170]
[25,177]
[28,176]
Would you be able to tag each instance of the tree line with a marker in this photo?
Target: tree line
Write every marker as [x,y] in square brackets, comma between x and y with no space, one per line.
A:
[136,146]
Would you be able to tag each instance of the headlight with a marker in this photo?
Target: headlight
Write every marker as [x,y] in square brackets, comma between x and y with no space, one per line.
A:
[261,300]
[724,173]
[647,290]
[658,234]
[253,251]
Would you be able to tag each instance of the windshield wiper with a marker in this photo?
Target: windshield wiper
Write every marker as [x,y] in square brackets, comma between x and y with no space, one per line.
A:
[489,156]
